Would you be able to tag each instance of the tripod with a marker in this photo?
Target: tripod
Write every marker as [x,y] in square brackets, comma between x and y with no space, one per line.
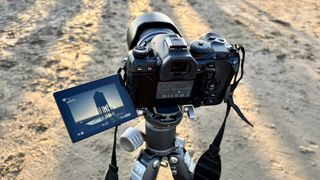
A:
[163,147]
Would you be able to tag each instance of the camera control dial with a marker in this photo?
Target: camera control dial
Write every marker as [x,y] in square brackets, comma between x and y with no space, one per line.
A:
[200,48]
[140,52]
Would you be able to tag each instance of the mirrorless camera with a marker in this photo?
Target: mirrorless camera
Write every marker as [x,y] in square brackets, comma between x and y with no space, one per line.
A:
[163,70]
[163,77]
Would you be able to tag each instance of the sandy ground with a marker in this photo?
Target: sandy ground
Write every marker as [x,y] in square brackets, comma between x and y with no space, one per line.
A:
[47,46]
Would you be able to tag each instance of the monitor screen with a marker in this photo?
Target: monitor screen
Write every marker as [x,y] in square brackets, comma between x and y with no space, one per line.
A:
[94,107]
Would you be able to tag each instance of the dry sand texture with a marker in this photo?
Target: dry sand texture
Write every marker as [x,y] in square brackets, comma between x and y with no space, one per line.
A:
[46,46]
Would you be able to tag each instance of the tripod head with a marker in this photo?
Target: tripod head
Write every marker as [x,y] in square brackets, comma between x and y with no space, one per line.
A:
[163,117]
[158,130]
[163,147]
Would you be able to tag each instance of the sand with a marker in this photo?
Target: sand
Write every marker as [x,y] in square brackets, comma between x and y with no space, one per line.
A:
[46,46]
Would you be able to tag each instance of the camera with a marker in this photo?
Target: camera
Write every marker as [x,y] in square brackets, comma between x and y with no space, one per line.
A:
[163,78]
[163,70]
[162,73]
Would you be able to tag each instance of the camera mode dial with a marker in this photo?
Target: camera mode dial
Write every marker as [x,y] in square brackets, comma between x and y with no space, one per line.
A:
[200,48]
[140,51]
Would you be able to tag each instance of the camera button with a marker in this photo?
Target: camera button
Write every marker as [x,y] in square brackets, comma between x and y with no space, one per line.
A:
[149,68]
[210,74]
[199,69]
[140,52]
[210,101]
[139,68]
[210,86]
[210,65]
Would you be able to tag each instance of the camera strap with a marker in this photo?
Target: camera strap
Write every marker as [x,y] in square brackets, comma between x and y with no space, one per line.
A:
[209,164]
[112,173]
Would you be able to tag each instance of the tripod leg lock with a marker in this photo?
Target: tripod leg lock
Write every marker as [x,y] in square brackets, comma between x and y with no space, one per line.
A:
[189,162]
[146,166]
[182,166]
[137,171]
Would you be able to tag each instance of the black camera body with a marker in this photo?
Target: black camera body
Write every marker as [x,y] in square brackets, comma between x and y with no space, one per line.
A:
[161,73]
[162,70]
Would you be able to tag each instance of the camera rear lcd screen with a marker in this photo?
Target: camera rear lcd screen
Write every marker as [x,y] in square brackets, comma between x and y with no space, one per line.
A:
[174,89]
[93,107]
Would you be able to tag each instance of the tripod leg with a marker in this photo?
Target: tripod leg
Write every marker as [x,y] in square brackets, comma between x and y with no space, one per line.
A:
[146,167]
[182,166]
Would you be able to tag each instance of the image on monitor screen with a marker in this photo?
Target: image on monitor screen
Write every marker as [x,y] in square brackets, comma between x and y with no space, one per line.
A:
[100,105]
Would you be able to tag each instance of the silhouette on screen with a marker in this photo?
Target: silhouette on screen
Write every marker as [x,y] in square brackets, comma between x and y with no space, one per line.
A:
[102,105]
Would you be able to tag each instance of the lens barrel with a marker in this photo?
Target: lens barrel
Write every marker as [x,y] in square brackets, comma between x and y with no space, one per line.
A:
[149,24]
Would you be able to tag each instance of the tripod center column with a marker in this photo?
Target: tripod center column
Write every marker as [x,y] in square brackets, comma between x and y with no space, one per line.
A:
[161,129]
